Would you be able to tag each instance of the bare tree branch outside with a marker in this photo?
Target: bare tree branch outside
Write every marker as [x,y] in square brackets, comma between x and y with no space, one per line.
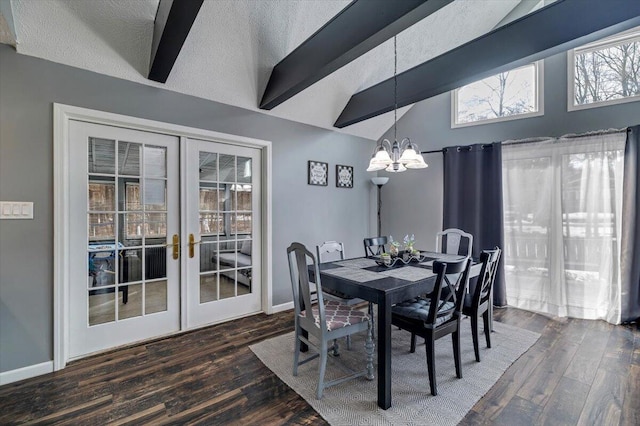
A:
[502,95]
[608,73]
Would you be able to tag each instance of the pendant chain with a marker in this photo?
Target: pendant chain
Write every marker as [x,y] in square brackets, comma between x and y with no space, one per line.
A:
[395,89]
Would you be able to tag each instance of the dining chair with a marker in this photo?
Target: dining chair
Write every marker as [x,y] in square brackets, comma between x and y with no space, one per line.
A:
[450,241]
[326,321]
[374,246]
[477,303]
[331,251]
[436,315]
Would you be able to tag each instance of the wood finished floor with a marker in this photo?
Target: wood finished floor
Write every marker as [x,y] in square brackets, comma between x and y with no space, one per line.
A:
[578,373]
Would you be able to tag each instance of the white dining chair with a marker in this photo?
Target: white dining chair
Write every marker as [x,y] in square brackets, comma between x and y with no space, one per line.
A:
[326,321]
[330,251]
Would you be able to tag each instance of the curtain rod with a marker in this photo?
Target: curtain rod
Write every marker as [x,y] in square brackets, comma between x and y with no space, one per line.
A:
[465,147]
[540,139]
[567,136]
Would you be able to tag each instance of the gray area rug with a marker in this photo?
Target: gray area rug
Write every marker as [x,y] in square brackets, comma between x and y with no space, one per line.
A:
[355,402]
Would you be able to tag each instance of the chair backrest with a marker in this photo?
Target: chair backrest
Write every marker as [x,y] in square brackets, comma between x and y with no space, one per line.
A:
[299,261]
[330,251]
[454,241]
[374,246]
[489,260]
[447,298]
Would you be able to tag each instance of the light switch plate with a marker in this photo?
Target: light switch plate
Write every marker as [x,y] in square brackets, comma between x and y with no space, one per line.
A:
[16,210]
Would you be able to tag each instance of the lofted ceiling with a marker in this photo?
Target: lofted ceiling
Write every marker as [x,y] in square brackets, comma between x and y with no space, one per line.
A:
[234,44]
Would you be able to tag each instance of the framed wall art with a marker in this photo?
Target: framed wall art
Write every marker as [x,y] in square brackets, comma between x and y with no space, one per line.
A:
[344,176]
[318,173]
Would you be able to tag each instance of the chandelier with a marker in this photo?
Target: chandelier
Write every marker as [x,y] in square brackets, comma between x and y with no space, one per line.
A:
[396,156]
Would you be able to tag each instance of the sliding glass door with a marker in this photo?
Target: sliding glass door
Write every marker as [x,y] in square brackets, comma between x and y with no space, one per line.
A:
[562,208]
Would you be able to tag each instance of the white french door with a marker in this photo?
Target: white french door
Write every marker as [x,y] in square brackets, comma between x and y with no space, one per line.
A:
[223,225]
[124,215]
[139,224]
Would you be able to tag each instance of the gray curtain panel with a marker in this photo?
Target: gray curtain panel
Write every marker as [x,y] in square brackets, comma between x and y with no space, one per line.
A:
[473,200]
[630,244]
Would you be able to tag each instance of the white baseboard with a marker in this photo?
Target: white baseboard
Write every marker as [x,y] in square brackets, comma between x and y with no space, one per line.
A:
[284,307]
[26,372]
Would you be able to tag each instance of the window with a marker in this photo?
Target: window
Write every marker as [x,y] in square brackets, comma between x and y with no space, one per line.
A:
[605,72]
[101,199]
[225,209]
[137,224]
[506,96]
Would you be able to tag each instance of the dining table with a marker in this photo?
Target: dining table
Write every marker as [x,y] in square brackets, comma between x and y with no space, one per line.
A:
[369,279]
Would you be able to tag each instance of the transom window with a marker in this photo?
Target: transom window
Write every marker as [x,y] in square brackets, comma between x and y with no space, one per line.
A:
[605,72]
[506,96]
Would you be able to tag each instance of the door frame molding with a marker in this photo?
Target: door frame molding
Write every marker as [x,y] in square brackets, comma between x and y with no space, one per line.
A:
[62,115]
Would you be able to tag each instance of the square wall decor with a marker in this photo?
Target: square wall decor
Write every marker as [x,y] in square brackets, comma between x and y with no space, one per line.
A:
[318,173]
[344,176]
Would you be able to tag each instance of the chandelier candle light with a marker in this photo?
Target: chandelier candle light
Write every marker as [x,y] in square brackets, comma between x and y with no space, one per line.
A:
[397,156]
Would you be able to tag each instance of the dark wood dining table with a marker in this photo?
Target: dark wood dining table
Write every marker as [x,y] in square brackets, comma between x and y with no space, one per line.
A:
[385,287]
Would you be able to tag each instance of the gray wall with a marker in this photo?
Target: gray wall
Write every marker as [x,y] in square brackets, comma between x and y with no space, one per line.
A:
[412,203]
[428,124]
[28,89]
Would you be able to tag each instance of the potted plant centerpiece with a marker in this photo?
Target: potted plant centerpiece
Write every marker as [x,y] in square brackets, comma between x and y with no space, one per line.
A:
[386,258]
[394,247]
[409,249]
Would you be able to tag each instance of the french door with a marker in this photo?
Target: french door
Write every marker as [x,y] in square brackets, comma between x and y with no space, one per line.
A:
[223,226]
[124,239]
[142,220]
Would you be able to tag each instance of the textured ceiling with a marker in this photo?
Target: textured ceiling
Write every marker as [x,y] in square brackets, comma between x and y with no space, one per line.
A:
[233,45]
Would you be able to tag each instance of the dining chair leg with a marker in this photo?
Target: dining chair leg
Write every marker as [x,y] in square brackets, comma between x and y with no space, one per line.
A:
[373,322]
[474,335]
[349,343]
[455,336]
[431,365]
[487,327]
[322,369]
[336,348]
[296,352]
[413,343]
[369,347]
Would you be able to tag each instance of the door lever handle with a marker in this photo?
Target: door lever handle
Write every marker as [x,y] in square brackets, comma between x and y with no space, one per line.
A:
[176,246]
[192,244]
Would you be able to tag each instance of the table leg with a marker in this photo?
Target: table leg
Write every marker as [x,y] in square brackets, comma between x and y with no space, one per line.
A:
[384,355]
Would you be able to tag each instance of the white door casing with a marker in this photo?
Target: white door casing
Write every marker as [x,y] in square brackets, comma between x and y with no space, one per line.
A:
[63,260]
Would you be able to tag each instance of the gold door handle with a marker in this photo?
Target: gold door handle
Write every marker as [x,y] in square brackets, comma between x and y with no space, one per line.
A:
[192,244]
[176,246]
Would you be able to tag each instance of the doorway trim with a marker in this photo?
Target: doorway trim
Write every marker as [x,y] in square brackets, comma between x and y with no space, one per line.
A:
[62,115]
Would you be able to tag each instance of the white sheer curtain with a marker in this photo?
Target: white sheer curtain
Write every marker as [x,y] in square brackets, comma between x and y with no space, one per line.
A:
[562,208]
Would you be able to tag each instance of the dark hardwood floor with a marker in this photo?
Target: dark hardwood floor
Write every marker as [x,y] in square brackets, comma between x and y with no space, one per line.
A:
[578,373]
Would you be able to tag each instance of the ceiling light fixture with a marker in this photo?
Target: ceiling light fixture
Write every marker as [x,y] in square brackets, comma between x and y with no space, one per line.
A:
[397,156]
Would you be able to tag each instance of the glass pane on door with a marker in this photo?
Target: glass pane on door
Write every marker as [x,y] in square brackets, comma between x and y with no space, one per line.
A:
[225,209]
[127,230]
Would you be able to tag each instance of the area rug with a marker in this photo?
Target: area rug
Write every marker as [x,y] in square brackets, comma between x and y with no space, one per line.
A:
[355,402]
